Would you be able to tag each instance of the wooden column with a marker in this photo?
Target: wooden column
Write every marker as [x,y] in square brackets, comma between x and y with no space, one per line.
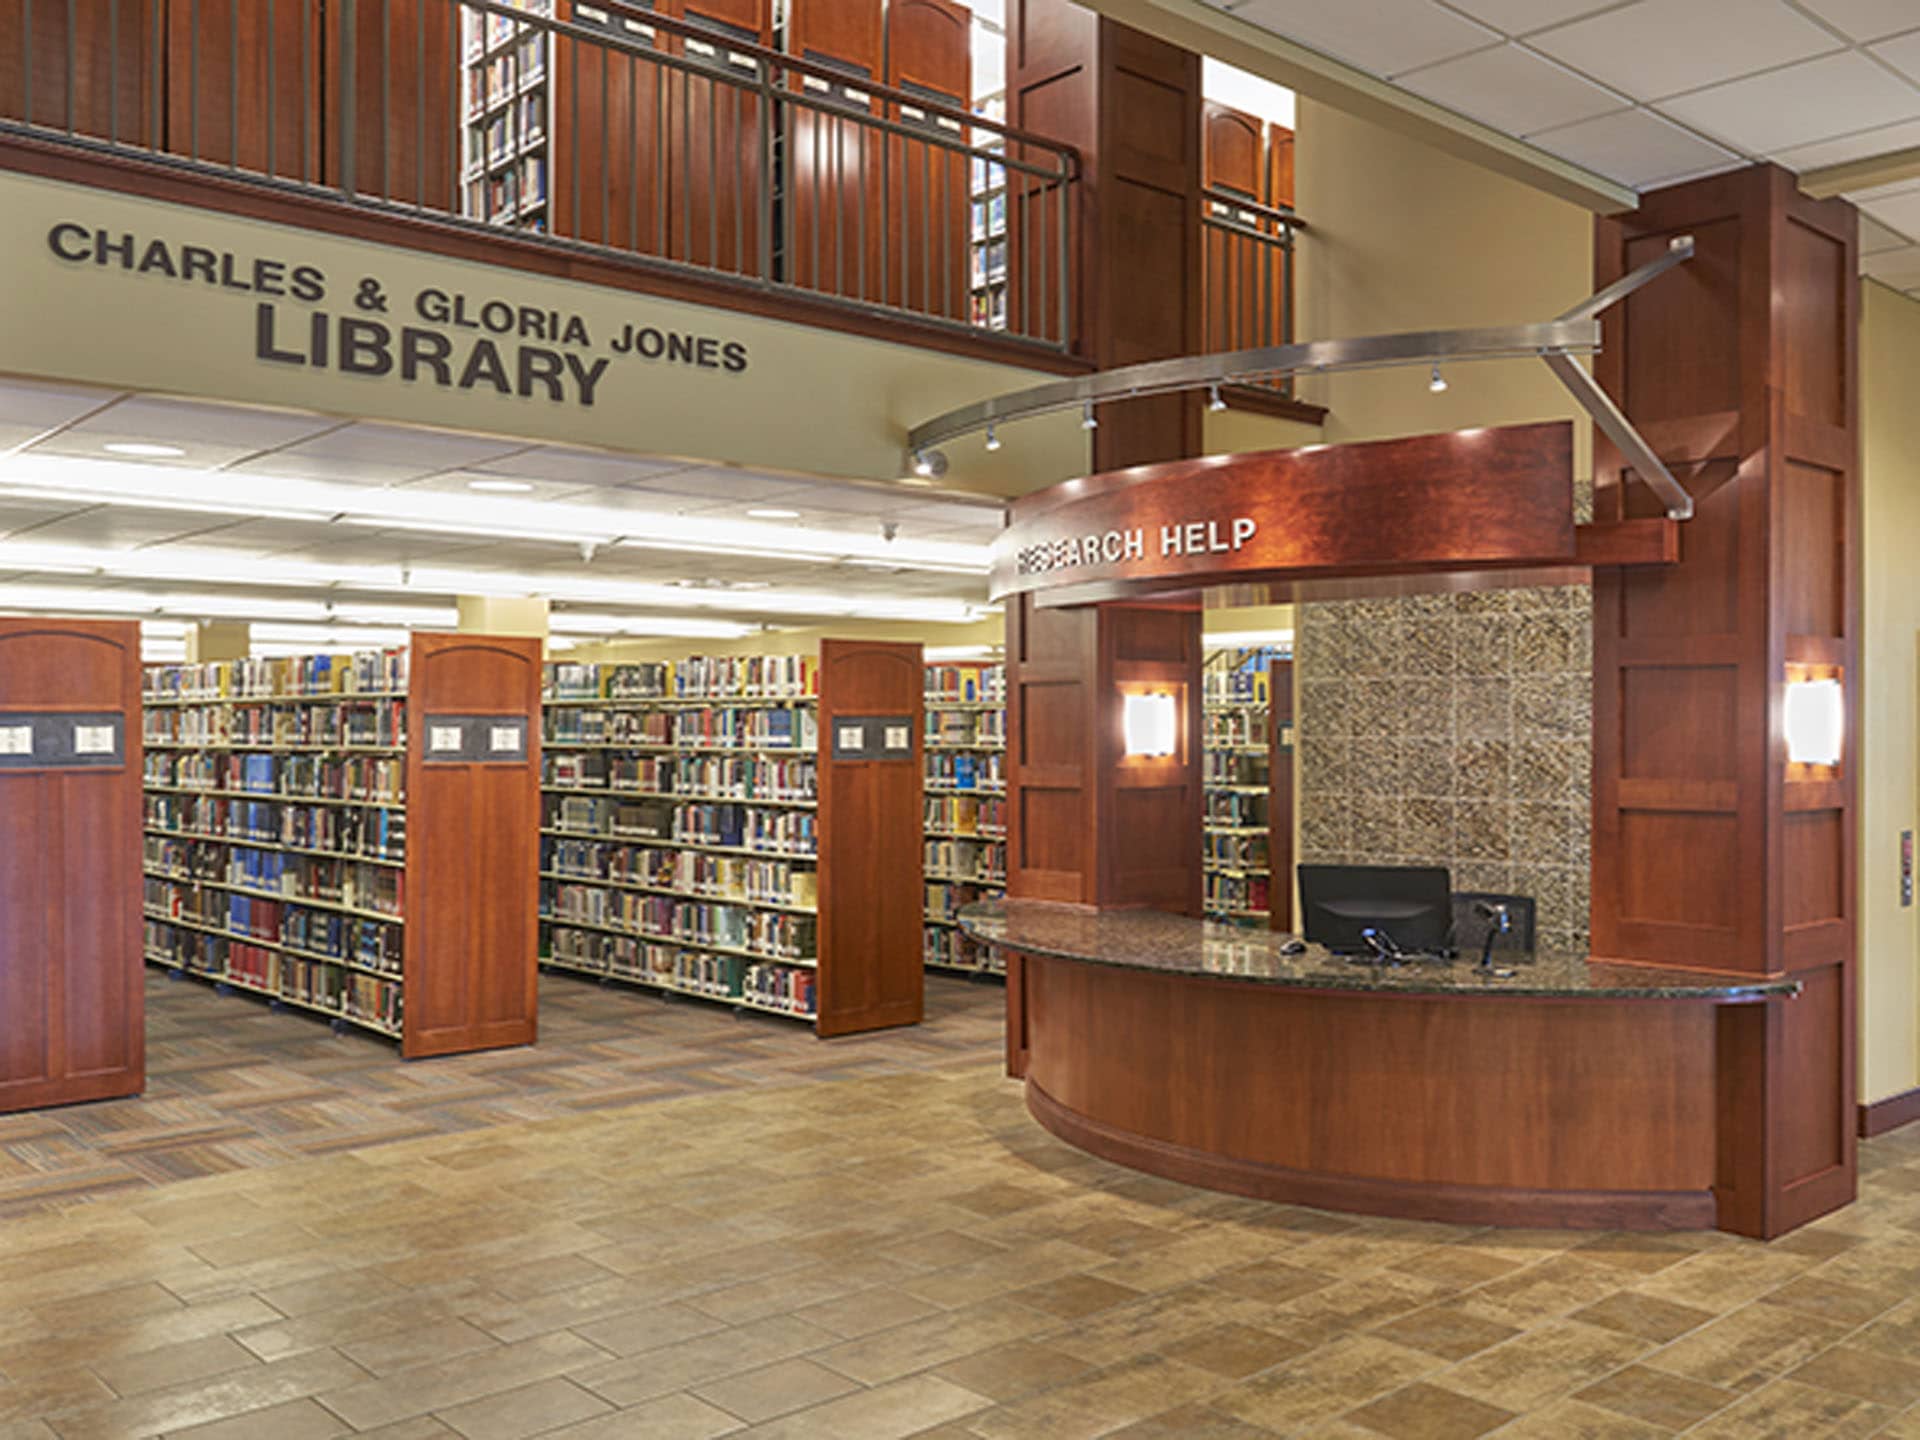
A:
[1709,848]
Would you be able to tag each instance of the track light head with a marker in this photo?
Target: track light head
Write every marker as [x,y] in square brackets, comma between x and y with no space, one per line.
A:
[993,440]
[1088,421]
[1438,383]
[1214,401]
[929,464]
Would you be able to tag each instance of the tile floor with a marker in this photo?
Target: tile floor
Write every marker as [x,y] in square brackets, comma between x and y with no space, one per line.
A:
[905,1253]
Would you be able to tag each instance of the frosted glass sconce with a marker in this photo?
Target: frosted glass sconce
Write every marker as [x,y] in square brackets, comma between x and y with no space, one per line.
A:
[1149,724]
[1816,721]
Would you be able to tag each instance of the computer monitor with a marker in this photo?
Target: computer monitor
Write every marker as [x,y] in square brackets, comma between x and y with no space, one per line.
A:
[1413,904]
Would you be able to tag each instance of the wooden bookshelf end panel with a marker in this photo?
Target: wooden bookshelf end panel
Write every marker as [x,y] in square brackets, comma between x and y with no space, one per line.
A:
[472,853]
[871,882]
[72,1007]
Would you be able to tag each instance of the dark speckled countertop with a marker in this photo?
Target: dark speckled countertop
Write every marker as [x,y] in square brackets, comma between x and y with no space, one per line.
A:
[1177,945]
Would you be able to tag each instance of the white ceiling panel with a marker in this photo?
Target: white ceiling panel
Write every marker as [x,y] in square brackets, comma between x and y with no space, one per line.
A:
[1815,100]
[1903,54]
[582,467]
[1900,211]
[1875,237]
[1637,147]
[1844,148]
[1513,90]
[1383,36]
[1662,47]
[367,454]
[1898,268]
[120,527]
[1863,20]
[463,482]
[211,436]
[1521,17]
[717,485]
[30,407]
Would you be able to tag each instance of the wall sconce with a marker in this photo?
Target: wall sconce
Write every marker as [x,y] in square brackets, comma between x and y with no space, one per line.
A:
[1149,724]
[1816,722]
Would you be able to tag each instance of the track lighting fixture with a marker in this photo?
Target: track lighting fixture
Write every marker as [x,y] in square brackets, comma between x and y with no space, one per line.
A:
[1438,383]
[1214,401]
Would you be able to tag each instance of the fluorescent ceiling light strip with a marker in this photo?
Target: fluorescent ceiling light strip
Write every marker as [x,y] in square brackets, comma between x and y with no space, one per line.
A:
[1247,639]
[585,623]
[228,492]
[138,602]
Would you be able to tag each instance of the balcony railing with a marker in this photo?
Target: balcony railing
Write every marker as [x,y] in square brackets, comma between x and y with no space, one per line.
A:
[1247,288]
[681,145]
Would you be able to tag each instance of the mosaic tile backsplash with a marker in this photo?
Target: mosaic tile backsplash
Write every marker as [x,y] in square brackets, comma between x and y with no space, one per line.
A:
[1454,730]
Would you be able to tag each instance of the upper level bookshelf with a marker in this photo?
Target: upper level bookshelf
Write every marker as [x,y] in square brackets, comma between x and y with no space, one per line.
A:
[686,838]
[1248,824]
[965,808]
[352,835]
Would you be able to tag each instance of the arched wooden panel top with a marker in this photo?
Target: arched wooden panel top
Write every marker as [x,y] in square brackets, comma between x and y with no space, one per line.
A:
[1230,148]
[67,664]
[457,672]
[929,44]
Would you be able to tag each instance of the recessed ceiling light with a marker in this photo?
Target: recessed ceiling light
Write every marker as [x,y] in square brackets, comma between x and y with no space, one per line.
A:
[772,514]
[917,480]
[144,450]
[500,487]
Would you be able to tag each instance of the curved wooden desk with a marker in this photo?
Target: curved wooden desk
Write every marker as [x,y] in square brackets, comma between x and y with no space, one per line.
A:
[1570,1093]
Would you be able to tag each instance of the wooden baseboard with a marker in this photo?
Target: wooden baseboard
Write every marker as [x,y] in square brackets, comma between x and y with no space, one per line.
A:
[1880,1116]
[1446,1203]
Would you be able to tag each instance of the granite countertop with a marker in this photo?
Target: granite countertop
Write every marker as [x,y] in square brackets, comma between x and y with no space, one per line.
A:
[1178,945]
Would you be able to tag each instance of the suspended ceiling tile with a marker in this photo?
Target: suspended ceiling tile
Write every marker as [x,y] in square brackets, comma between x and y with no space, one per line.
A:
[1904,53]
[1875,237]
[29,408]
[119,527]
[1636,147]
[1899,212]
[1520,17]
[1868,143]
[1898,268]
[19,515]
[1512,90]
[1816,100]
[1863,20]
[716,485]
[461,482]
[1663,47]
[1381,36]
[372,454]
[584,467]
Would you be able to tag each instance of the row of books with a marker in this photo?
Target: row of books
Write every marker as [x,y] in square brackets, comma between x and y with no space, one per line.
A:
[374,832]
[945,948]
[692,972]
[963,770]
[700,777]
[1230,894]
[757,727]
[732,826]
[1236,809]
[944,898]
[966,684]
[1235,767]
[295,877]
[1249,682]
[364,672]
[772,933]
[981,815]
[981,729]
[374,779]
[312,984]
[694,872]
[280,723]
[980,861]
[1240,852]
[1235,727]
[373,943]
[698,677]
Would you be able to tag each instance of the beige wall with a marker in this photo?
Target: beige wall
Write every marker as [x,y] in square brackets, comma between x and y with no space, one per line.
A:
[1887,690]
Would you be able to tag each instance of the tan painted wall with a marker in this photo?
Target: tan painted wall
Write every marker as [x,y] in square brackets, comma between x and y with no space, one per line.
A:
[504,614]
[1886,692]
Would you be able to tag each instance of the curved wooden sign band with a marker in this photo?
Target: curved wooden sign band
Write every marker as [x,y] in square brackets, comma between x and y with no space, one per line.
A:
[1458,501]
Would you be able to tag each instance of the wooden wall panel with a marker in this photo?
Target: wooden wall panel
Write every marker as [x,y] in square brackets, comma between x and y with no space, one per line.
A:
[929,49]
[404,114]
[472,904]
[1709,848]
[113,67]
[871,882]
[244,84]
[833,166]
[611,128]
[72,1003]
[714,152]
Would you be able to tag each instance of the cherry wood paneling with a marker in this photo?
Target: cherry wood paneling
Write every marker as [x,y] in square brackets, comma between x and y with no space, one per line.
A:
[404,101]
[1475,1110]
[611,128]
[871,887]
[1279,167]
[1876,1117]
[244,83]
[72,1009]
[1709,849]
[714,145]
[929,49]
[473,863]
[833,170]
[112,56]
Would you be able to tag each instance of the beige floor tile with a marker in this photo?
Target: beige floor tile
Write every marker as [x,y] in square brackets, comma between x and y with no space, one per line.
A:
[1729,1276]
[1273,1281]
[1324,1383]
[1543,1364]
[402,1349]
[936,1340]
[1896,1333]
[1446,1330]
[1657,1397]
[1743,1350]
[1234,1351]
[1429,1412]
[1457,1265]
[1864,1374]
[1008,1372]
[174,1364]
[1147,1325]
[529,1410]
[652,1328]
[1646,1316]
[295,1420]
[778,1389]
[1073,1297]
[866,1311]
[1189,1422]
[1786,1410]
[137,1336]
[418,1427]
[1834,1300]
[887,1412]
[447,1383]
[670,1417]
[26,1400]
[1099,1402]
[27,1430]
[284,1337]
[180,1407]
[1552,1288]
[680,1366]
[1576,1420]
[337,1291]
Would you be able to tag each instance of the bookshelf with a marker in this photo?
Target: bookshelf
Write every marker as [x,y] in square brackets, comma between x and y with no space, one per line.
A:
[1242,814]
[707,831]
[72,1008]
[352,836]
[965,809]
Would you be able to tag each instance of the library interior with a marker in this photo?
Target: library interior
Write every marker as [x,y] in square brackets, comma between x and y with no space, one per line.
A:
[1018,720]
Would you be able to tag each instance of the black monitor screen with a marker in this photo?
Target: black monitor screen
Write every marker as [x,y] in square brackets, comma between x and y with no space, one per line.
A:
[1412,904]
